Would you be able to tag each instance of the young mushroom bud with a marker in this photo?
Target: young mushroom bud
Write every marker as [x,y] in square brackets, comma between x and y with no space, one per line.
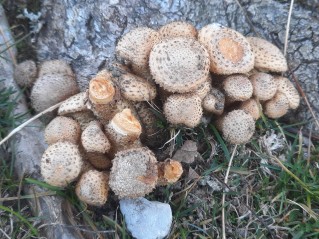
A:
[62,129]
[55,67]
[229,51]
[264,86]
[25,73]
[251,107]
[287,88]
[169,171]
[134,173]
[178,29]
[238,87]
[214,102]
[179,64]
[93,188]
[61,164]
[267,56]
[276,107]
[183,109]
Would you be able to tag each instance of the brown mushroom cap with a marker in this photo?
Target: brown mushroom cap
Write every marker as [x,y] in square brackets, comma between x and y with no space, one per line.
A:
[214,101]
[264,85]
[179,64]
[169,171]
[61,164]
[25,73]
[268,57]
[51,89]
[286,87]
[251,107]
[75,103]
[238,127]
[93,187]
[99,161]
[238,87]
[183,109]
[94,140]
[101,89]
[62,129]
[134,173]
[229,51]
[55,67]
[178,29]
[276,107]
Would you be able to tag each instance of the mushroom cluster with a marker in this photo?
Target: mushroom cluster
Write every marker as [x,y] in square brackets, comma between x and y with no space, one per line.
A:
[100,136]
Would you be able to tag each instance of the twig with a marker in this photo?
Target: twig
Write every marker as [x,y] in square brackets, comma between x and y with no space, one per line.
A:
[5,234]
[223,198]
[288,27]
[8,47]
[13,132]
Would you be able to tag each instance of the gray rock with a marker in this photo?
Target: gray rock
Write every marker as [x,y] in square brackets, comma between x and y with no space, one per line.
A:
[146,219]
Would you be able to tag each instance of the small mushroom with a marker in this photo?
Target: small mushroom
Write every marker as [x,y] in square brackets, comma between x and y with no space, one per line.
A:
[55,67]
[178,29]
[183,109]
[62,129]
[287,88]
[214,102]
[238,87]
[179,64]
[264,85]
[276,107]
[229,51]
[61,164]
[93,188]
[251,107]
[169,171]
[101,89]
[268,57]
[134,173]
[25,73]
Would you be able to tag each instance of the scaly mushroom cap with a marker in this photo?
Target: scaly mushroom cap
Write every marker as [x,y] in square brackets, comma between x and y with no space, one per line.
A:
[75,103]
[61,164]
[62,129]
[135,47]
[214,101]
[276,107]
[55,67]
[101,89]
[238,127]
[134,173]
[287,88]
[238,87]
[183,109]
[93,187]
[94,140]
[203,89]
[178,29]
[99,161]
[51,89]
[169,171]
[268,57]
[25,73]
[251,107]
[229,51]
[135,88]
[264,85]
[179,64]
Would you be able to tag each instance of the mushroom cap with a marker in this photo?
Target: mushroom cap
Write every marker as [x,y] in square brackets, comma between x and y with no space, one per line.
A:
[55,67]
[25,73]
[238,87]
[178,29]
[135,47]
[214,101]
[99,161]
[61,164]
[169,171]
[268,57]
[94,140]
[62,129]
[251,107]
[238,127]
[229,51]
[83,118]
[93,188]
[179,64]
[203,89]
[75,103]
[101,89]
[183,109]
[50,89]
[276,107]
[135,88]
[264,85]
[286,87]
[134,173]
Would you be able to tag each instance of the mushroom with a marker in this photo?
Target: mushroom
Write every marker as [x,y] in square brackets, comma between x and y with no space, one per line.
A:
[264,85]
[268,57]
[251,107]
[183,109]
[61,164]
[178,29]
[93,188]
[276,107]
[203,89]
[134,173]
[229,51]
[55,67]
[25,73]
[237,127]
[179,64]
[169,171]
[214,102]
[62,129]
[287,88]
[238,87]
